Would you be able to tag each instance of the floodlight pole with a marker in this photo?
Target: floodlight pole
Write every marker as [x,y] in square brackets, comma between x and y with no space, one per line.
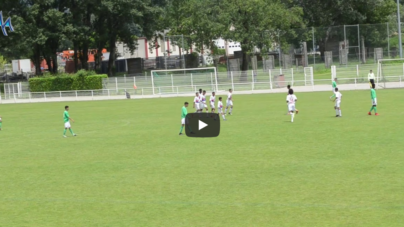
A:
[183,49]
[314,48]
[279,48]
[399,29]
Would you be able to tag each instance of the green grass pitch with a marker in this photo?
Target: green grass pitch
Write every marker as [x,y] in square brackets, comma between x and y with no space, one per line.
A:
[129,167]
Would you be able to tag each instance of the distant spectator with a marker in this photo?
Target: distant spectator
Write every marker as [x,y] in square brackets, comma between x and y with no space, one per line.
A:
[371,77]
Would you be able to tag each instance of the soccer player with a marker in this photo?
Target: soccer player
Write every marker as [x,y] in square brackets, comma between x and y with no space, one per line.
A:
[200,100]
[212,102]
[334,85]
[291,101]
[1,122]
[371,77]
[229,102]
[287,106]
[374,100]
[67,120]
[337,105]
[196,102]
[204,105]
[220,108]
[184,121]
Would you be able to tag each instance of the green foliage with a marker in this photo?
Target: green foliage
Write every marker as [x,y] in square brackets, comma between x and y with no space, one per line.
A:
[394,41]
[82,80]
[199,21]
[319,13]
[42,27]
[3,61]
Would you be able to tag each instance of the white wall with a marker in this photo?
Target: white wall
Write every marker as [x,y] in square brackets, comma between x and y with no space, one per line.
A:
[142,52]
[230,47]
[23,65]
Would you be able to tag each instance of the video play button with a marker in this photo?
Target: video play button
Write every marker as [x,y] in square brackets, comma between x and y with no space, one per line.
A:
[202,125]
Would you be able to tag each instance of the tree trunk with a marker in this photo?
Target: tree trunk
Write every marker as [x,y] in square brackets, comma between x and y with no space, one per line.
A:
[48,62]
[244,66]
[75,57]
[323,44]
[322,50]
[55,62]
[98,59]
[85,42]
[37,60]
[111,60]
[84,56]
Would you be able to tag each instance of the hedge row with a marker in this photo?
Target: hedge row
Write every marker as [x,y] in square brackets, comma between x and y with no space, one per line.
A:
[82,80]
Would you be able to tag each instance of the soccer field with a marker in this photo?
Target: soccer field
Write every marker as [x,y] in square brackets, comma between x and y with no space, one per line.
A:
[129,167]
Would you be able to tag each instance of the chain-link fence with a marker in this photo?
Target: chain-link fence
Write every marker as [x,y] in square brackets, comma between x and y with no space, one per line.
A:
[343,45]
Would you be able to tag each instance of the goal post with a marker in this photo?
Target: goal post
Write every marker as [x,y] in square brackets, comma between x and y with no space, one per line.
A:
[10,89]
[389,71]
[183,80]
[333,72]
[308,76]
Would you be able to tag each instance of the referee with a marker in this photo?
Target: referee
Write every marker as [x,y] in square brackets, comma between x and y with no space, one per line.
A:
[371,78]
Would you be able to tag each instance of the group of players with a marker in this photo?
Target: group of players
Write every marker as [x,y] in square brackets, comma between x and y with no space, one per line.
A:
[337,96]
[200,105]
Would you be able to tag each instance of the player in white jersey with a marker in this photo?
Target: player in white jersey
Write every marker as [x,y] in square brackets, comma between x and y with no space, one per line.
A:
[220,108]
[229,102]
[337,100]
[200,100]
[287,105]
[291,101]
[196,102]
[204,105]
[212,101]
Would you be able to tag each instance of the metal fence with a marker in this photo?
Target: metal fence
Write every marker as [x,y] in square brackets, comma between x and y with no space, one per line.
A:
[186,83]
[173,91]
[340,45]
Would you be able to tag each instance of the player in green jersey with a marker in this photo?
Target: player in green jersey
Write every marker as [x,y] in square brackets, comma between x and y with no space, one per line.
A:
[334,85]
[374,100]
[183,117]
[67,119]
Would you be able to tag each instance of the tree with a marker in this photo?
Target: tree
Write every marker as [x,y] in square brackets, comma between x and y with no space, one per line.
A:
[81,12]
[326,14]
[318,13]
[198,22]
[39,27]
[247,20]
[56,27]
[123,20]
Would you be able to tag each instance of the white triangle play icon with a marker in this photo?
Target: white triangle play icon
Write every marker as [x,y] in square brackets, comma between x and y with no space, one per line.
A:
[202,124]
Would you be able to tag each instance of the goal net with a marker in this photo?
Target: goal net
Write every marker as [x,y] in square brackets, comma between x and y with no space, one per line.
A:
[184,80]
[390,72]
